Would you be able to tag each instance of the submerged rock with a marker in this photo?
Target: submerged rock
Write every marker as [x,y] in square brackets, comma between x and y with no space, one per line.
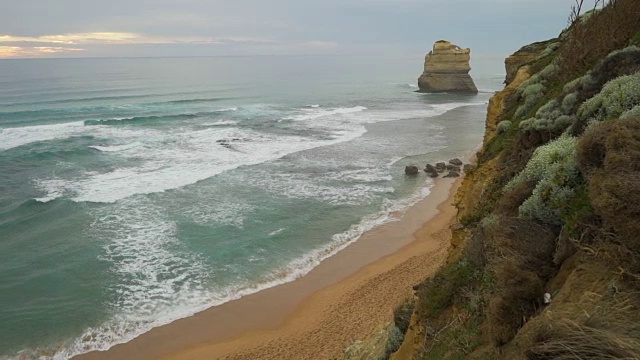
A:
[433,174]
[411,170]
[446,69]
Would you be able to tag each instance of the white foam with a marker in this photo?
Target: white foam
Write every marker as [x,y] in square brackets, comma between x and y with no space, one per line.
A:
[182,158]
[314,186]
[179,157]
[227,109]
[276,232]
[14,137]
[115,148]
[314,106]
[324,113]
[222,123]
[157,281]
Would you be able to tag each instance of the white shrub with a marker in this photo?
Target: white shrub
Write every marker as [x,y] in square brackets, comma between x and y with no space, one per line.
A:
[503,126]
[617,96]
[555,169]
[631,114]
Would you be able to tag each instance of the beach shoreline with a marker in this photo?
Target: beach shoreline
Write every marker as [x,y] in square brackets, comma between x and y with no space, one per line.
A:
[272,323]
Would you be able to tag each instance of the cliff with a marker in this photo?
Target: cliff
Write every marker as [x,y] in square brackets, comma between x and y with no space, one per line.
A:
[446,69]
[545,256]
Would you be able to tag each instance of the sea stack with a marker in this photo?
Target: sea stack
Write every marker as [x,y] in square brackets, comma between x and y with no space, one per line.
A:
[446,69]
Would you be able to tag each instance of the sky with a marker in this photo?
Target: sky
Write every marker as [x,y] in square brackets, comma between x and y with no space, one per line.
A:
[136,28]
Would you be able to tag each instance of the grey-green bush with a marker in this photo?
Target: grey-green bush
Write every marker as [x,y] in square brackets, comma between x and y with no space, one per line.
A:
[553,167]
[504,126]
[617,97]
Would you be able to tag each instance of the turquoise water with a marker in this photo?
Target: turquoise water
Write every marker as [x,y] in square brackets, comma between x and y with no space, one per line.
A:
[134,192]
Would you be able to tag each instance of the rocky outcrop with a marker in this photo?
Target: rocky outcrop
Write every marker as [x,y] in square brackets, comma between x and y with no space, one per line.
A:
[411,170]
[446,69]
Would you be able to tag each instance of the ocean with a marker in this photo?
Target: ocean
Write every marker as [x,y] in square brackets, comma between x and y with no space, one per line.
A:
[137,191]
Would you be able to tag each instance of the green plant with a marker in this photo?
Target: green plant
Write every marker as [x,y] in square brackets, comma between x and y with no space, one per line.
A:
[504,126]
[631,114]
[569,102]
[554,169]
[531,95]
[439,291]
[394,341]
[402,315]
[617,96]
[609,157]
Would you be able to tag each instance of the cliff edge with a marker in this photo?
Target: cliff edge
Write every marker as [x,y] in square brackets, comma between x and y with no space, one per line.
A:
[446,69]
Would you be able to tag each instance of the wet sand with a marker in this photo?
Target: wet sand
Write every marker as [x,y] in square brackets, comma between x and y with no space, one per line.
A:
[318,315]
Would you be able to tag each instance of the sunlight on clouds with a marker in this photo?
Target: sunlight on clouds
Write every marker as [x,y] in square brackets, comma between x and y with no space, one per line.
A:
[77,38]
[7,52]
[124,38]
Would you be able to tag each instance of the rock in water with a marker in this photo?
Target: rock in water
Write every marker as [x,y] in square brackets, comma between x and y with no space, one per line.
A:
[446,69]
[452,174]
[455,161]
[411,170]
[441,167]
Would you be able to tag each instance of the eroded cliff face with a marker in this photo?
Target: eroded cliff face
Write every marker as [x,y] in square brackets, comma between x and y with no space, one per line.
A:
[522,57]
[446,69]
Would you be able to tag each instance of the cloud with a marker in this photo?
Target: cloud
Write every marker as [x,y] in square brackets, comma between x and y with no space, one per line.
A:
[61,44]
[123,38]
[8,52]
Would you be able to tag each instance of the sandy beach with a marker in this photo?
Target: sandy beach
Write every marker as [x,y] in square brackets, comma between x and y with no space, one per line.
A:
[318,315]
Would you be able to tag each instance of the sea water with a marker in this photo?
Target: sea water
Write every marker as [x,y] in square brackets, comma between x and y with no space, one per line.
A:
[134,192]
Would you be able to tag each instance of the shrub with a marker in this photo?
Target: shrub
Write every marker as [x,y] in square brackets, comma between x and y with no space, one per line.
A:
[439,292]
[586,80]
[554,169]
[512,199]
[631,114]
[521,263]
[612,331]
[504,126]
[589,40]
[531,95]
[402,315]
[507,310]
[628,49]
[569,102]
[550,110]
[617,96]
[543,157]
[551,48]
[394,341]
[609,156]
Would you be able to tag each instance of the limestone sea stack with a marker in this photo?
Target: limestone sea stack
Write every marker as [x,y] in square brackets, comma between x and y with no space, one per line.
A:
[446,69]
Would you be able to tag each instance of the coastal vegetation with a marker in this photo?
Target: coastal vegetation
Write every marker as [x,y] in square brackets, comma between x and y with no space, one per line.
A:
[546,255]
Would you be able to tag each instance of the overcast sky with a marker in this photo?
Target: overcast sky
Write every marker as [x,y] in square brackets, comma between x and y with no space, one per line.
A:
[88,28]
